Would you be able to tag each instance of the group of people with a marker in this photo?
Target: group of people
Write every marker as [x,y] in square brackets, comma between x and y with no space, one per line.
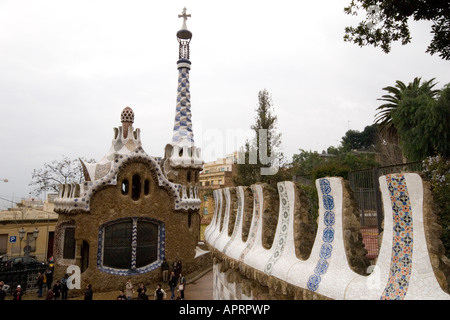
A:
[176,282]
[127,294]
[129,290]
[59,289]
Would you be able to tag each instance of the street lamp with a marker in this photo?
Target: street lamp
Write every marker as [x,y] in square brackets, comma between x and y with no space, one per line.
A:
[21,233]
[35,233]
[27,241]
[21,236]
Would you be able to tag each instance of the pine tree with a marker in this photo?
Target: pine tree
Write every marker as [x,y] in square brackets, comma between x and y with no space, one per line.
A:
[262,158]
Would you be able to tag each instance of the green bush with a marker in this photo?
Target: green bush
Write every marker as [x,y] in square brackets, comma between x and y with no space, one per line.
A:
[313,209]
[437,171]
[330,170]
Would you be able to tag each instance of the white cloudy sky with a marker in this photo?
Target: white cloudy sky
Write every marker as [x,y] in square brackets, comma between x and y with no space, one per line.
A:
[68,68]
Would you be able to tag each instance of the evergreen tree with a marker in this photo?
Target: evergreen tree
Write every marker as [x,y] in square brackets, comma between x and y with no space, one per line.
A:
[262,158]
[422,122]
[383,118]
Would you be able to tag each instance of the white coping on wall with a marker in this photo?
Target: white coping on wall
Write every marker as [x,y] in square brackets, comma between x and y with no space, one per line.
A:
[422,283]
[335,272]
[326,271]
[222,237]
[215,232]
[256,255]
[213,224]
[235,245]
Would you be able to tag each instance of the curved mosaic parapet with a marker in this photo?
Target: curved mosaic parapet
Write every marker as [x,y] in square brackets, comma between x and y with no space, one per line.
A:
[326,271]
[223,238]
[274,260]
[210,230]
[403,269]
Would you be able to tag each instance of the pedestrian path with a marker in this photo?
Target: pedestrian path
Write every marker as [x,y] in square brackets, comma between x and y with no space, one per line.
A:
[200,289]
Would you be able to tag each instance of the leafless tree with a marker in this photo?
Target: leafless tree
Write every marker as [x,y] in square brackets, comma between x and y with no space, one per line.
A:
[57,172]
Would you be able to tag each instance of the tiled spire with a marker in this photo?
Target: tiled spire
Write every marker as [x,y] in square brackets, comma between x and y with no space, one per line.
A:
[182,129]
[183,125]
[181,151]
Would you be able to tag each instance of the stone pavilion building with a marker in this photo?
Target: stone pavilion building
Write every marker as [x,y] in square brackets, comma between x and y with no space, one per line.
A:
[133,210]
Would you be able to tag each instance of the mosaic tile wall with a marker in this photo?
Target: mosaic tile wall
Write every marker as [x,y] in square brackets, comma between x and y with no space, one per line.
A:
[403,269]
[183,124]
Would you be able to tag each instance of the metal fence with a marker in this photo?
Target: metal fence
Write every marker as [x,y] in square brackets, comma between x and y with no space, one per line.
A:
[365,186]
[26,278]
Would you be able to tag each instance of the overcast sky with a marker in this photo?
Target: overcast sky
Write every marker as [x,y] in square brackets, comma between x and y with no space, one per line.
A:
[68,68]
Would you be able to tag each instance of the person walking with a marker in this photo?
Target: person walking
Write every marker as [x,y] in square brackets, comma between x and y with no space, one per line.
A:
[182,286]
[40,283]
[173,281]
[179,268]
[4,287]
[2,292]
[160,294]
[121,296]
[142,292]
[165,270]
[49,277]
[141,288]
[88,294]
[64,287]
[49,295]
[17,295]
[129,289]
[57,290]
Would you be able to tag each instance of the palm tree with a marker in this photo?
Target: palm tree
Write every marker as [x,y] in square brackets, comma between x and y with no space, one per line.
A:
[383,118]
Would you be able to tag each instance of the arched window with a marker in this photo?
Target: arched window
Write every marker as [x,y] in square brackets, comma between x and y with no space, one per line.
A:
[131,245]
[188,176]
[84,255]
[146,187]
[189,220]
[69,243]
[136,187]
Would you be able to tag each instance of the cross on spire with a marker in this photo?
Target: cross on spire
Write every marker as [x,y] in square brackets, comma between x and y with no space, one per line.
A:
[184,16]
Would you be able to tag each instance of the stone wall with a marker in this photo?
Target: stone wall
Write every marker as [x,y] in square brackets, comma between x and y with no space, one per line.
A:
[330,262]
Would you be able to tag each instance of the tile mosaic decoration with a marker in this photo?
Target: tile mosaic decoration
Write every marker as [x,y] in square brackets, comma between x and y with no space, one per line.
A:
[402,240]
[237,221]
[182,129]
[327,236]
[327,271]
[283,229]
[184,199]
[254,227]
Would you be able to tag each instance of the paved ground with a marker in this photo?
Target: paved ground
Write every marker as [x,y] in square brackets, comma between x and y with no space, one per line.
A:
[201,289]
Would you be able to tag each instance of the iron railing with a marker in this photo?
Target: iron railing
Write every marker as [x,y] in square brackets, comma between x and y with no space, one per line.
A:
[365,186]
[26,278]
